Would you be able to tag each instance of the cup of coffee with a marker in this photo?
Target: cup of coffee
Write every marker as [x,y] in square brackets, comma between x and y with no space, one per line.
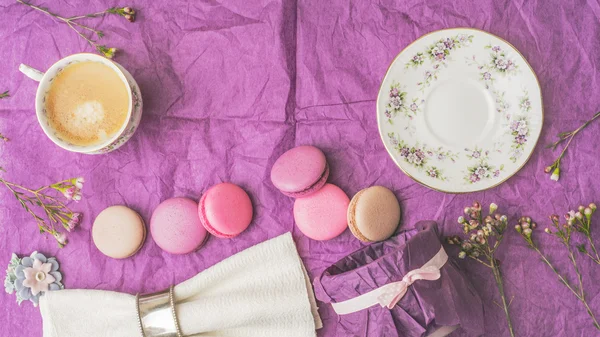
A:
[86,103]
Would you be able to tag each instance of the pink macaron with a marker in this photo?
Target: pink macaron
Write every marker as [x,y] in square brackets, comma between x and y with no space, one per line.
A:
[225,210]
[175,226]
[322,215]
[301,171]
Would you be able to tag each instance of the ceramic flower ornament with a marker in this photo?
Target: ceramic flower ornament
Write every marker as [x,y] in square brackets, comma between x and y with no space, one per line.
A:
[32,276]
[38,276]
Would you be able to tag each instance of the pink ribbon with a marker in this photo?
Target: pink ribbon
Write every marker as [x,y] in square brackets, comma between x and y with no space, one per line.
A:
[393,292]
[389,294]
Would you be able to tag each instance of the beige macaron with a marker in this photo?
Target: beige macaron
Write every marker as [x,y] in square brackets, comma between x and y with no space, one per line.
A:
[118,232]
[374,214]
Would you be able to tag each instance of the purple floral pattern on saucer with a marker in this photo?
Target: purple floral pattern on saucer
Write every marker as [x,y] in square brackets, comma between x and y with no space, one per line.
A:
[440,50]
[525,103]
[476,153]
[397,103]
[502,104]
[420,156]
[519,128]
[482,170]
[498,63]
[438,53]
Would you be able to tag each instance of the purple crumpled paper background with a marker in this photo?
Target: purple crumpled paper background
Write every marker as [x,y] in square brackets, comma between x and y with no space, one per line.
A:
[230,85]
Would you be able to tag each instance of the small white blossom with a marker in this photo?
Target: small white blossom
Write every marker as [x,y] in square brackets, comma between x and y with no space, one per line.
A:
[556,174]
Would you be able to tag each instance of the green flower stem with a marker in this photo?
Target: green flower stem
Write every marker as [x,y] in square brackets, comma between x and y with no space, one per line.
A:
[563,233]
[55,210]
[39,190]
[71,22]
[97,32]
[563,136]
[93,15]
[63,19]
[584,226]
[91,42]
[500,284]
[483,263]
[597,258]
[483,237]
[493,264]
[574,262]
[498,278]
[562,279]
[3,137]
[569,135]
[39,221]
[581,292]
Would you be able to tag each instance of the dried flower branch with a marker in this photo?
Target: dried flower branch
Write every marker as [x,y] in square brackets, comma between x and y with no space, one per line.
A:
[484,236]
[126,12]
[582,221]
[563,136]
[2,136]
[5,139]
[563,232]
[55,211]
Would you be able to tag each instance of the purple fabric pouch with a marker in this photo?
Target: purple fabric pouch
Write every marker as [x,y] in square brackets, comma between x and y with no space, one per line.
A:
[427,306]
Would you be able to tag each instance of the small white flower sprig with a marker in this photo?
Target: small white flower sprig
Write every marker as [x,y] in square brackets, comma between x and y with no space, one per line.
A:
[55,211]
[563,232]
[484,236]
[127,12]
[554,168]
[582,221]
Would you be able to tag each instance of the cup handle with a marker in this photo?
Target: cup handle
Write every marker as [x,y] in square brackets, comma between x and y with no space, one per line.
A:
[34,74]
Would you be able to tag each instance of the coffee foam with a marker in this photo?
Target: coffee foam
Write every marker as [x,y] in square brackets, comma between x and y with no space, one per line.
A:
[86,119]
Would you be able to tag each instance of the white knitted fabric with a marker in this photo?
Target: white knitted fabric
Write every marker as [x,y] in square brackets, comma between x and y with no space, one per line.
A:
[261,292]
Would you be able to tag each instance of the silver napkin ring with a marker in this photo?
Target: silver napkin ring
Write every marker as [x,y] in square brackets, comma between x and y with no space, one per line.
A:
[156,314]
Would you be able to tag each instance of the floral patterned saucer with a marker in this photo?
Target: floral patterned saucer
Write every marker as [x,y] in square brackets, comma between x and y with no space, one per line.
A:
[460,110]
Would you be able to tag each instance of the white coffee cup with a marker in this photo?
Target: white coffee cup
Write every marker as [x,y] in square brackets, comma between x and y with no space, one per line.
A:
[134,113]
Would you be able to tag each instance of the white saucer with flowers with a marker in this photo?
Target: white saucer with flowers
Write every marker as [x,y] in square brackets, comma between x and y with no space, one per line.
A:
[460,110]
